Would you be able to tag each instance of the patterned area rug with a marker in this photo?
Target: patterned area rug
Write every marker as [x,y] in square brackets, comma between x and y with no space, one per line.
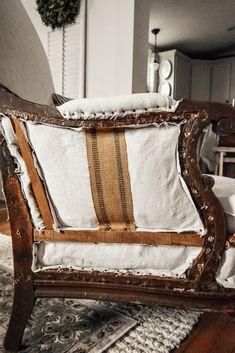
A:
[86,326]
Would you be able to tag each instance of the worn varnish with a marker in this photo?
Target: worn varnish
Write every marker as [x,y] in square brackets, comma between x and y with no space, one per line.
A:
[198,290]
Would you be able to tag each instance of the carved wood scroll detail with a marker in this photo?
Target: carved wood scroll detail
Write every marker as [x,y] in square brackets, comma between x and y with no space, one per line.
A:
[204,268]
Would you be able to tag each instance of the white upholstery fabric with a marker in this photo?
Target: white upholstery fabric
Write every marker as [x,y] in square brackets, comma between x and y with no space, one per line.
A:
[160,198]
[107,107]
[158,260]
[208,144]
[230,220]
[160,201]
[224,189]
[61,154]
[226,271]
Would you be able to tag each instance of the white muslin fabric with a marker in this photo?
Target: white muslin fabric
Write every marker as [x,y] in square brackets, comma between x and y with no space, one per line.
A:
[226,271]
[62,159]
[207,148]
[110,107]
[224,189]
[160,199]
[158,260]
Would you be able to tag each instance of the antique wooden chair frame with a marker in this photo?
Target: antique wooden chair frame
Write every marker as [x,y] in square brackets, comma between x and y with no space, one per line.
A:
[199,290]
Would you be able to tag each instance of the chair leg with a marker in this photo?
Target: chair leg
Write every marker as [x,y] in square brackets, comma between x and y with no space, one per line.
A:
[23,304]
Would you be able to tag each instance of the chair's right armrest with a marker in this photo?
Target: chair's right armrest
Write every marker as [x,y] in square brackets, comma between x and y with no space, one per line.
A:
[222,115]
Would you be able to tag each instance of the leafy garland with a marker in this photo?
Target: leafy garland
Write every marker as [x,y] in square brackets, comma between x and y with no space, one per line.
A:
[58,13]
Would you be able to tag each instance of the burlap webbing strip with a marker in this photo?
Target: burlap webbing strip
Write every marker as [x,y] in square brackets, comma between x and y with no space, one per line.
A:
[36,181]
[109,178]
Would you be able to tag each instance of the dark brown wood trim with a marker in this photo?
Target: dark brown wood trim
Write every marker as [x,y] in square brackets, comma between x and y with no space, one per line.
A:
[127,120]
[203,270]
[221,115]
[22,240]
[36,181]
[128,237]
[184,300]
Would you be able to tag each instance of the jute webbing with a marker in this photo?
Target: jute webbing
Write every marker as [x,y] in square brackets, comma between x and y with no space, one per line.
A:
[109,177]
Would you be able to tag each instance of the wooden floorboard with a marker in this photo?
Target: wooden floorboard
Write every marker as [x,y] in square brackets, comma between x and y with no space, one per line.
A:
[214,333]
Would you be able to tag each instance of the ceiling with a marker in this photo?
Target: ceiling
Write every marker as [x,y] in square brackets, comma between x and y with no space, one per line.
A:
[198,28]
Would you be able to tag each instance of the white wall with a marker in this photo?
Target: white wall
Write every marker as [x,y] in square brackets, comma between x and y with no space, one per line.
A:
[117,45]
[24,65]
[31,9]
[140,51]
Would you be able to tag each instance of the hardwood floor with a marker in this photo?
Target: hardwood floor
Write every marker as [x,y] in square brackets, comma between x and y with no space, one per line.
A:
[214,333]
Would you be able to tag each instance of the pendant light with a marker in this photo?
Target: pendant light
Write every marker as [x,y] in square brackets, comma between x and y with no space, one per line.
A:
[154,65]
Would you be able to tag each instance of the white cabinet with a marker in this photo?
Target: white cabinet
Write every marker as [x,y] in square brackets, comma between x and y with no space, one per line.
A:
[213,80]
[180,76]
[220,81]
[209,80]
[232,81]
[200,80]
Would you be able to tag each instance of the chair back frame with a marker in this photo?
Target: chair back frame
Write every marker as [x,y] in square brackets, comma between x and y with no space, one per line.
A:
[198,290]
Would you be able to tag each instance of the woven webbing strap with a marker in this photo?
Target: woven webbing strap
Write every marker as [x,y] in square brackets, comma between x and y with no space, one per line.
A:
[109,177]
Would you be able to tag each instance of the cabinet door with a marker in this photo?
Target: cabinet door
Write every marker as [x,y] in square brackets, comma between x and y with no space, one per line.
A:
[220,82]
[182,77]
[200,83]
[232,82]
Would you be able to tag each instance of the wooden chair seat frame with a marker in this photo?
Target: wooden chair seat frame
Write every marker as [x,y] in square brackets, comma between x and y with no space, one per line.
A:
[198,290]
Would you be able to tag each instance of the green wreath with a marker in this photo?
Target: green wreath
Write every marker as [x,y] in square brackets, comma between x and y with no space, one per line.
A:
[58,13]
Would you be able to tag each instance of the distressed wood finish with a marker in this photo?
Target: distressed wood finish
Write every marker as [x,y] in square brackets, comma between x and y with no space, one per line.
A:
[205,266]
[197,290]
[128,237]
[22,239]
[221,115]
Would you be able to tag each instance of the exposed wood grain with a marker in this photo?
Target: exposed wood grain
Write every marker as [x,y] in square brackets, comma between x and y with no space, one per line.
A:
[22,237]
[136,294]
[203,270]
[214,333]
[221,115]
[37,184]
[3,215]
[99,236]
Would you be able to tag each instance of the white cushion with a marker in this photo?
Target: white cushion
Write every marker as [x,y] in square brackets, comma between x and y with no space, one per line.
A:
[224,189]
[107,107]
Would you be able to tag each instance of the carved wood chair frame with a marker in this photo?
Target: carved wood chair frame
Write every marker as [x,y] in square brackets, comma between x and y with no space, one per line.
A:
[199,290]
